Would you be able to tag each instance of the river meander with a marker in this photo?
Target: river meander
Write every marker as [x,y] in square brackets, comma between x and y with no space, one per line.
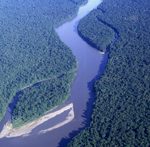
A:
[90,64]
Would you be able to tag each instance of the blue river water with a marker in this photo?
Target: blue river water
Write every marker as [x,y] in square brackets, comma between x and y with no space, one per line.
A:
[91,64]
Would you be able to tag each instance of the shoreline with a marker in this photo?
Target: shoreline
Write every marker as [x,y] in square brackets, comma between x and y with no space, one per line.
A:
[8,131]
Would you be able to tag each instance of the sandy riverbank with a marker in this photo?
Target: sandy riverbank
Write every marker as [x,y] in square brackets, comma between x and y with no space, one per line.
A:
[68,119]
[8,131]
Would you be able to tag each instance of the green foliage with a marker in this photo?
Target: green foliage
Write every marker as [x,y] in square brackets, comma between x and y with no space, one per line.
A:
[30,49]
[94,32]
[36,100]
[121,115]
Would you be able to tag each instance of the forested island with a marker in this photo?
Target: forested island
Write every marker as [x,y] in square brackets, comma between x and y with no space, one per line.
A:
[121,115]
[37,69]
[35,66]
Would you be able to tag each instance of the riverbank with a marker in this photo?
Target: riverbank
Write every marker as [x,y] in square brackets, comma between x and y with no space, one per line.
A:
[82,95]
[121,114]
[8,130]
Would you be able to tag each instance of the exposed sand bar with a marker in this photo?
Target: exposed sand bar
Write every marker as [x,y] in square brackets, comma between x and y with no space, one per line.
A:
[68,119]
[25,130]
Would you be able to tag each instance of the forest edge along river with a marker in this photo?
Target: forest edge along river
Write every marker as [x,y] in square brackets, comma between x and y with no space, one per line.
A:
[74,115]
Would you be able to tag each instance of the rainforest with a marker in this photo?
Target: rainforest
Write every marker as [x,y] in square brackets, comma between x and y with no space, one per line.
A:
[82,65]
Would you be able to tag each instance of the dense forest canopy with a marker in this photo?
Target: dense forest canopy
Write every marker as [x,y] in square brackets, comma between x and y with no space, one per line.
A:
[98,37]
[30,51]
[121,115]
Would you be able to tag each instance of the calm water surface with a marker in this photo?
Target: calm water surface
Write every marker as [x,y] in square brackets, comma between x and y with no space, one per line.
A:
[90,64]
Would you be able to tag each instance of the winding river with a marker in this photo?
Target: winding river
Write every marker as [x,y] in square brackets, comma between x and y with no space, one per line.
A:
[90,64]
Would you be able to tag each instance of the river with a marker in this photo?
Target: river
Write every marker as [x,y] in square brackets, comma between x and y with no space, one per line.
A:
[91,64]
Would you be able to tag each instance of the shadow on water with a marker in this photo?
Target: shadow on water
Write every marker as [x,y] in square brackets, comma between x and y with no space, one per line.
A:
[83,98]
[12,105]
[10,108]
[90,104]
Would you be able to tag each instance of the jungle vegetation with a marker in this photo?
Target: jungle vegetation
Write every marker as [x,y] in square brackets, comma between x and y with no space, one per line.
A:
[98,37]
[121,115]
[30,51]
[34,101]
